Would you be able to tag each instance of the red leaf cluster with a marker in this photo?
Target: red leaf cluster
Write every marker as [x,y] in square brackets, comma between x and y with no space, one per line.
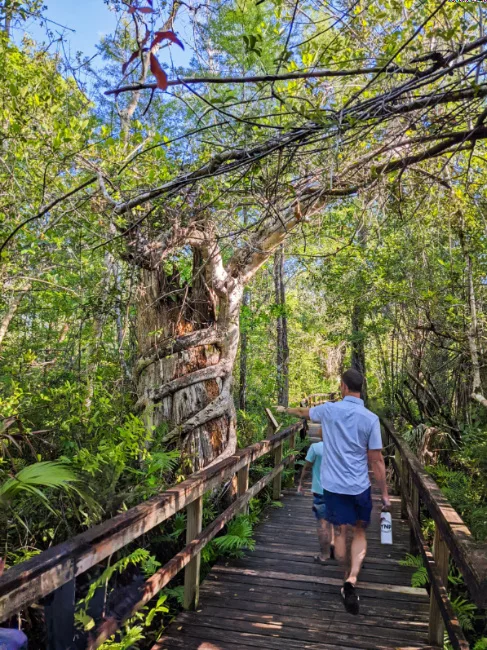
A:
[155,66]
[135,54]
[169,36]
[158,72]
[143,10]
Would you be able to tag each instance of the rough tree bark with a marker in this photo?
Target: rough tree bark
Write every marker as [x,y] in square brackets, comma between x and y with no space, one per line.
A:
[282,359]
[188,337]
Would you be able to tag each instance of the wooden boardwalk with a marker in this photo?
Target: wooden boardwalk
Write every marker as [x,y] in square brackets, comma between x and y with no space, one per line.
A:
[277,598]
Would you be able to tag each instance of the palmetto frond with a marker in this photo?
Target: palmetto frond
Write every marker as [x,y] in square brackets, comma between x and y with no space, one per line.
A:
[46,474]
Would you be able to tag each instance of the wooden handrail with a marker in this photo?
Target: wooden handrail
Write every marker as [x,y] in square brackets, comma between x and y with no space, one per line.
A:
[30,581]
[315,399]
[452,536]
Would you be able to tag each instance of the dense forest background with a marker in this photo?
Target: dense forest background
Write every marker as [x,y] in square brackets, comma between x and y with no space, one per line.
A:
[174,259]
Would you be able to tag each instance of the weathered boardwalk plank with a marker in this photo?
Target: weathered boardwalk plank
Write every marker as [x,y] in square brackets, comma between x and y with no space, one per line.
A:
[277,598]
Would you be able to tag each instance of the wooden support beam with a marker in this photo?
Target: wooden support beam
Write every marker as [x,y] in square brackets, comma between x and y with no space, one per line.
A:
[194,513]
[243,485]
[397,471]
[404,488]
[277,483]
[441,556]
[59,616]
[413,546]
[272,424]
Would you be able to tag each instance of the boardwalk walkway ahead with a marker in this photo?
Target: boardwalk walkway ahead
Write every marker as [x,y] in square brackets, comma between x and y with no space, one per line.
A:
[277,598]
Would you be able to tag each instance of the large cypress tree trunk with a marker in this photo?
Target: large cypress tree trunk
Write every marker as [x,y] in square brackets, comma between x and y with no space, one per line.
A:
[188,336]
[188,332]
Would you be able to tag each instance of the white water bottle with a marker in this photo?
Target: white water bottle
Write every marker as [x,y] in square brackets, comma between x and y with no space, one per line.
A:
[385,528]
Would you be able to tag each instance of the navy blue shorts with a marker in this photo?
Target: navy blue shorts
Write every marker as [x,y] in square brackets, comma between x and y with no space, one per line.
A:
[319,507]
[348,508]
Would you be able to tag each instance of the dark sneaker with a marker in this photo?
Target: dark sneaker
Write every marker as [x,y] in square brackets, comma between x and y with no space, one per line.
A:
[350,598]
[332,552]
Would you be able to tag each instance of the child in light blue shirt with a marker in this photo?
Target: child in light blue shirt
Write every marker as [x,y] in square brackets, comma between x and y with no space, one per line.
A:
[324,529]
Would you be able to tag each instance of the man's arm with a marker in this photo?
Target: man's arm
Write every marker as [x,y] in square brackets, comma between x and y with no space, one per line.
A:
[298,412]
[304,471]
[376,461]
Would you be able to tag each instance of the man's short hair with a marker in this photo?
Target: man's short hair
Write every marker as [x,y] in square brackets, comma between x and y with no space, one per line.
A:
[354,380]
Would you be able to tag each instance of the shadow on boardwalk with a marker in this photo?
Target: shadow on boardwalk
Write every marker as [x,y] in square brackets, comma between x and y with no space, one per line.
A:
[277,598]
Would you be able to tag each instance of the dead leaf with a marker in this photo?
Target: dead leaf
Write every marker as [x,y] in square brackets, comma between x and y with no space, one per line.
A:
[158,72]
[169,36]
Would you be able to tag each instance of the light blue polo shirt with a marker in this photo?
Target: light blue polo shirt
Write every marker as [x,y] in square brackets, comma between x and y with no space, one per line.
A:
[349,431]
[314,455]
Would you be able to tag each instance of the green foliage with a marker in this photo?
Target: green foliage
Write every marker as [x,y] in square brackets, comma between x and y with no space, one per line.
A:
[237,539]
[140,557]
[420,576]
[465,612]
[130,636]
[481,644]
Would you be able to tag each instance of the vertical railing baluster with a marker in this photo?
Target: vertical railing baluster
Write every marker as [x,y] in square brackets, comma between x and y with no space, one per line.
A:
[243,484]
[413,545]
[441,555]
[194,514]
[404,488]
[277,482]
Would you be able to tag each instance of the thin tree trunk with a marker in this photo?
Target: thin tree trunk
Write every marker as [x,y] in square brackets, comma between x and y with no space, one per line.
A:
[244,343]
[7,18]
[357,324]
[12,309]
[358,343]
[94,345]
[472,333]
[473,329]
[282,332]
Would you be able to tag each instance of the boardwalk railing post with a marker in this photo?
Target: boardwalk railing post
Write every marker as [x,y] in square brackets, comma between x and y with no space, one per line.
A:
[277,483]
[404,488]
[272,427]
[441,555]
[292,441]
[243,484]
[59,616]
[397,470]
[194,513]
[413,545]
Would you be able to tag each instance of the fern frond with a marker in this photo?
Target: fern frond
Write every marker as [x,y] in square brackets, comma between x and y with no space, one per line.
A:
[465,612]
[415,561]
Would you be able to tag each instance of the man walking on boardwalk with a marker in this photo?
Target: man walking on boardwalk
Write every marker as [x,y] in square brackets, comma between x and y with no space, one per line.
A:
[352,441]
